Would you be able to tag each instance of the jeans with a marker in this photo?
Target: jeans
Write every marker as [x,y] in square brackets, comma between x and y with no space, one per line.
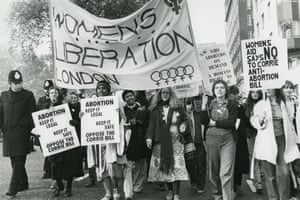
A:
[19,176]
[221,149]
[277,176]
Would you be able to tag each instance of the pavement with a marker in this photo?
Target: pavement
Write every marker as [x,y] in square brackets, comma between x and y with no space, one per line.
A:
[39,189]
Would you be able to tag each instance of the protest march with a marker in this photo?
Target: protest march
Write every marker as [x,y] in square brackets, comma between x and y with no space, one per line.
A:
[134,101]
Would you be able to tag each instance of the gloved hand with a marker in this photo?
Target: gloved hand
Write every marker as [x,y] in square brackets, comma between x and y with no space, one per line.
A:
[73,122]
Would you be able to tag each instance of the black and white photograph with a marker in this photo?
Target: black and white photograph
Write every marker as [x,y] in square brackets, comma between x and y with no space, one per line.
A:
[149,99]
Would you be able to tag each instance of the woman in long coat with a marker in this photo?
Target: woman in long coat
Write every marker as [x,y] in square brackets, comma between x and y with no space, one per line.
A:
[65,165]
[275,143]
[167,162]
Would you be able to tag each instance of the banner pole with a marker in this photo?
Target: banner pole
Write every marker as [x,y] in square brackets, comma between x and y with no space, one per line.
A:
[52,40]
[195,45]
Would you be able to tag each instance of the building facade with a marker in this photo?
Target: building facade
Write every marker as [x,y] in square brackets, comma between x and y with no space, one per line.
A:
[239,26]
[280,18]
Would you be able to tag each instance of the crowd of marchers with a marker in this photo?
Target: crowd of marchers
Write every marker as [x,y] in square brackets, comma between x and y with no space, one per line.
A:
[165,140]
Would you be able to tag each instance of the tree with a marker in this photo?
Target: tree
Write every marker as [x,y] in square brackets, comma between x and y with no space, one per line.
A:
[30,25]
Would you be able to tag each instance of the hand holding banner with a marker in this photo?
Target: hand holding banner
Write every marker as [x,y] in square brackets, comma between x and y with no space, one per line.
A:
[56,134]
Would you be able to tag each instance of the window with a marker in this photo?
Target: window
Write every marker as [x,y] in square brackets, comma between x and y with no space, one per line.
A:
[249,6]
[250,35]
[269,10]
[288,27]
[249,20]
[263,21]
[256,5]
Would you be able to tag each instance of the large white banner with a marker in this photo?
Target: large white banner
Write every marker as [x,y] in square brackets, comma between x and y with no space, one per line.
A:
[151,48]
[265,63]
[100,121]
[215,64]
[56,133]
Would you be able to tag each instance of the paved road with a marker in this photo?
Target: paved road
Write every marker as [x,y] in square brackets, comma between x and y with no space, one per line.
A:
[39,188]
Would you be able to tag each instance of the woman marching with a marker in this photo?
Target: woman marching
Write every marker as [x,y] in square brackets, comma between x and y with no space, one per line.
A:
[255,183]
[65,165]
[275,143]
[167,162]
[221,117]
[73,158]
[287,91]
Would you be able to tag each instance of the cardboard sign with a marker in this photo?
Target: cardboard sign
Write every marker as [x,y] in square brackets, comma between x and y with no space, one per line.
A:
[151,48]
[100,122]
[215,64]
[265,63]
[56,133]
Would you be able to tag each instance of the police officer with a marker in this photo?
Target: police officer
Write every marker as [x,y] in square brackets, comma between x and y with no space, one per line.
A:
[44,101]
[16,106]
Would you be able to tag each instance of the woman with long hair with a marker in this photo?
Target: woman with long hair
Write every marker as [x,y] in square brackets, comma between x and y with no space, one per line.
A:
[255,183]
[275,143]
[221,117]
[164,136]
[241,164]
[287,91]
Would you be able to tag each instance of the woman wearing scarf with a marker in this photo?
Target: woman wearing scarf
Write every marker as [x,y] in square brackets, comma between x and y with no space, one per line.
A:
[163,135]
[74,157]
[255,182]
[63,165]
[221,117]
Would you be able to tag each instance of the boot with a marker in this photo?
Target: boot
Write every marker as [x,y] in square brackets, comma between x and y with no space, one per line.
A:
[60,187]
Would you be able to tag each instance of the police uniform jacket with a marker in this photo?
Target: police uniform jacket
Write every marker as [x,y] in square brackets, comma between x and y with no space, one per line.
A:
[43,103]
[16,121]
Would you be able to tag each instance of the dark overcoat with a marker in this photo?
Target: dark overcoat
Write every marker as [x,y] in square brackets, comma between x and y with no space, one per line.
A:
[16,121]
[137,148]
[154,130]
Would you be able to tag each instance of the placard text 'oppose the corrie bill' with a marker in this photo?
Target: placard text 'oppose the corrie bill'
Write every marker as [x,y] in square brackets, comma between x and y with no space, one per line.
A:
[56,134]
[100,122]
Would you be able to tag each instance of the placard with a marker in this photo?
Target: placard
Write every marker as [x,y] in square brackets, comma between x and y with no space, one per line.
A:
[56,133]
[265,63]
[100,121]
[215,64]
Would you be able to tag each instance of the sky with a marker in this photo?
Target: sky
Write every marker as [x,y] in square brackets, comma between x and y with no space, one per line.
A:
[207,18]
